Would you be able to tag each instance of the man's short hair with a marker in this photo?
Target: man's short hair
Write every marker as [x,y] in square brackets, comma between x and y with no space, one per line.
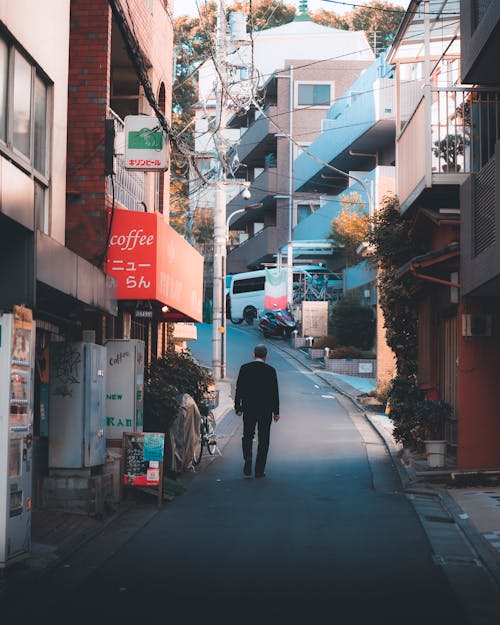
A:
[260,351]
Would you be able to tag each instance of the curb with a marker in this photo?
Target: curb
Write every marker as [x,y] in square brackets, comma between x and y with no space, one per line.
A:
[463,522]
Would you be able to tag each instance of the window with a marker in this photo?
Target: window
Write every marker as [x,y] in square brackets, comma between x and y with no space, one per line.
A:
[4,58]
[247,285]
[314,94]
[21,105]
[40,126]
[304,210]
[24,108]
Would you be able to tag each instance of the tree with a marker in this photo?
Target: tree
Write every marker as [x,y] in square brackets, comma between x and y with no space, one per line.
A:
[331,19]
[393,247]
[351,227]
[377,17]
[379,20]
[263,14]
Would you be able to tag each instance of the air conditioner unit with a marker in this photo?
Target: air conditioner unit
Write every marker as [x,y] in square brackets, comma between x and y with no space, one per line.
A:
[476,325]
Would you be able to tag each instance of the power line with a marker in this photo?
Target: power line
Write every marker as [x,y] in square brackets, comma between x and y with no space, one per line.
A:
[401,11]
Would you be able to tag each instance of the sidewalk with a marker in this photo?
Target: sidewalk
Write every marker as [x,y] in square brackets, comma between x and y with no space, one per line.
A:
[56,535]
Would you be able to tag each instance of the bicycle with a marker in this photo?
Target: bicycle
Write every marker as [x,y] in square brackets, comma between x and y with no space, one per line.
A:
[208,435]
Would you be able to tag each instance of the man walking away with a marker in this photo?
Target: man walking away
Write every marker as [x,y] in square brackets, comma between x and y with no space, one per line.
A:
[257,397]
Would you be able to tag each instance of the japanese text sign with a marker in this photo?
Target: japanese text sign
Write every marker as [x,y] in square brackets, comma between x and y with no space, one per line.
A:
[145,144]
[151,261]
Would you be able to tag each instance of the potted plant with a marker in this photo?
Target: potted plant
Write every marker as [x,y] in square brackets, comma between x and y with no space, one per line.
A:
[449,149]
[431,416]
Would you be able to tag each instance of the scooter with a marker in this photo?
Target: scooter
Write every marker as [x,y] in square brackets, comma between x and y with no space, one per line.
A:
[277,323]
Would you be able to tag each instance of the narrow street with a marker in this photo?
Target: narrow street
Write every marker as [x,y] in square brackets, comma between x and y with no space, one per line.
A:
[327,534]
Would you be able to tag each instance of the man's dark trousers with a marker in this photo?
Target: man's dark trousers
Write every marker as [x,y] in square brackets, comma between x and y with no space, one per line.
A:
[250,422]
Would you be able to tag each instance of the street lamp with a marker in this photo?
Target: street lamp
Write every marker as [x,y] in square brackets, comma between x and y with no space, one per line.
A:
[220,332]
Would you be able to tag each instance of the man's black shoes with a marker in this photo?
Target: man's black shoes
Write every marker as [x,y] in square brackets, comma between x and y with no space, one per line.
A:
[260,475]
[247,468]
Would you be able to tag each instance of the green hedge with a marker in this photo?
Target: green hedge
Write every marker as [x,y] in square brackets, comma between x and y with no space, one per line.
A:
[353,324]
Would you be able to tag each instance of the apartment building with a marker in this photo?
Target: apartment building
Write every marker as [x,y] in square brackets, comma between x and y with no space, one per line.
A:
[295,94]
[446,142]
[357,139]
[479,242]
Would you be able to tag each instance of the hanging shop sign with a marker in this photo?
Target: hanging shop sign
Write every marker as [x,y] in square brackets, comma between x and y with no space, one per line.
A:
[145,144]
[151,261]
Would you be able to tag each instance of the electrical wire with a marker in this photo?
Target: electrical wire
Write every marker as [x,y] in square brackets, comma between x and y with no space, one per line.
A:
[386,10]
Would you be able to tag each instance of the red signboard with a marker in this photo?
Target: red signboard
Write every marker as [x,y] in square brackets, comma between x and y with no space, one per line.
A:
[151,261]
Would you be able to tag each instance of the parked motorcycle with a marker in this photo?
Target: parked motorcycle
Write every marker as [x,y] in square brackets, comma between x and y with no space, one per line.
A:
[277,323]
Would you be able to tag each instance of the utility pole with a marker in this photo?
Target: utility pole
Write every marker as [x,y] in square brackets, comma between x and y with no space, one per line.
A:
[237,37]
[219,295]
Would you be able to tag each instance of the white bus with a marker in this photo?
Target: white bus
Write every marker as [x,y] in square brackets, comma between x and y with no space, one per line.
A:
[245,300]
[246,296]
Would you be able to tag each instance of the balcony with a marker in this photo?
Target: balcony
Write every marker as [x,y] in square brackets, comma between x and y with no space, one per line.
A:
[258,139]
[452,133]
[251,253]
[352,135]
[128,185]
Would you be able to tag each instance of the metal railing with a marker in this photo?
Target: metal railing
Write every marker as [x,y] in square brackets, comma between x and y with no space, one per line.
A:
[128,185]
[464,128]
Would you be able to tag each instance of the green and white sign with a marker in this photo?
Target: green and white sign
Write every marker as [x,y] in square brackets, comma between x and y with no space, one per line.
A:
[145,144]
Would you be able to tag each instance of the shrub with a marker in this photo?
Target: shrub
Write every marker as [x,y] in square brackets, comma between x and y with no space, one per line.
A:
[353,324]
[324,341]
[431,416]
[346,351]
[403,395]
[167,377]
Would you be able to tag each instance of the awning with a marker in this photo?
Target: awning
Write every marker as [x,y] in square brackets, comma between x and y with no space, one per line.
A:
[444,27]
[431,259]
[151,261]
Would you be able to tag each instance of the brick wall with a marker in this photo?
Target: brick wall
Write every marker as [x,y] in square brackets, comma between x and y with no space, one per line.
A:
[90,69]
[89,72]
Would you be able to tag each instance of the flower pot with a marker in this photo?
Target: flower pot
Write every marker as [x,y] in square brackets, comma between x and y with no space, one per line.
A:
[435,452]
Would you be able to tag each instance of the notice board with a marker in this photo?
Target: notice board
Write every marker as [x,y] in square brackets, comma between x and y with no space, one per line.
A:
[143,460]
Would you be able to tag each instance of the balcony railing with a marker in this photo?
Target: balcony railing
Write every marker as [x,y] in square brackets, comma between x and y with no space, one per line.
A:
[258,139]
[460,138]
[128,185]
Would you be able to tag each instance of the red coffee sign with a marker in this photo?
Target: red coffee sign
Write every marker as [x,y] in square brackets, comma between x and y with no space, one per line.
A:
[151,261]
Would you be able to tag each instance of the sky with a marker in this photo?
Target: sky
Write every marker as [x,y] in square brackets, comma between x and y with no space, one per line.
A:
[188,7]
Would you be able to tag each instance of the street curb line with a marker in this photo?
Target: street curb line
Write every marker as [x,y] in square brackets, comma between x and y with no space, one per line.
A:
[483,550]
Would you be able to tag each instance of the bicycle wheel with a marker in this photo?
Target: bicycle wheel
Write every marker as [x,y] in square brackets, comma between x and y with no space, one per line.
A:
[210,435]
[198,451]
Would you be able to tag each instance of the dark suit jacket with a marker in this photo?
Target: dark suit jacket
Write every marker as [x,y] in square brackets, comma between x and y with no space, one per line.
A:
[257,390]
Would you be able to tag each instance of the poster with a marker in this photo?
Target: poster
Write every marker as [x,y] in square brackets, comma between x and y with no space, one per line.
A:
[142,458]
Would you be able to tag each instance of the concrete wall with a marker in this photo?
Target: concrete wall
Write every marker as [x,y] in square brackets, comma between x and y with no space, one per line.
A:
[45,37]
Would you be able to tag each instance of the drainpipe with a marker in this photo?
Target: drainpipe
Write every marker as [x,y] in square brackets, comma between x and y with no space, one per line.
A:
[289,275]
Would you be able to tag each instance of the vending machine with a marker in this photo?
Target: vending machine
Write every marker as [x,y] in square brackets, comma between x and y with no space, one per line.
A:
[17,335]
[77,391]
[124,387]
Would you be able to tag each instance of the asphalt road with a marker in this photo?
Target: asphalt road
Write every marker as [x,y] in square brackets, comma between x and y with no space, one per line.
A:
[327,535]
